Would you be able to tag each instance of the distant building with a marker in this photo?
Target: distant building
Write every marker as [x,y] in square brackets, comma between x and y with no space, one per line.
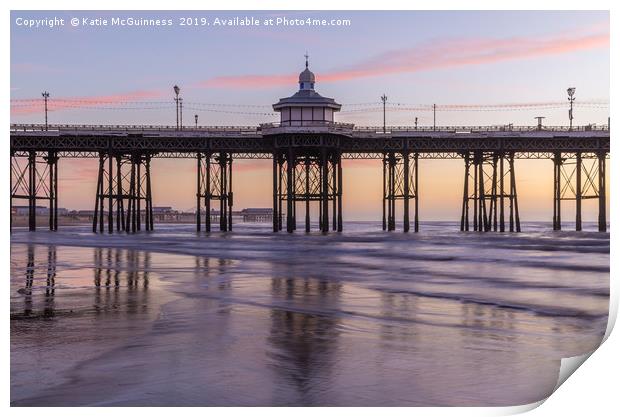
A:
[257,214]
[165,213]
[39,211]
[85,213]
[164,210]
[160,213]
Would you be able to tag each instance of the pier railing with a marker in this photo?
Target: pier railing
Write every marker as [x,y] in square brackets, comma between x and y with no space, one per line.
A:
[335,127]
[478,129]
[300,126]
[130,128]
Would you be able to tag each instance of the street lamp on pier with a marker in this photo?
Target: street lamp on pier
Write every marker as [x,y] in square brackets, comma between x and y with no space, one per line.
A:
[571,99]
[45,95]
[177,90]
[384,100]
[180,113]
[196,120]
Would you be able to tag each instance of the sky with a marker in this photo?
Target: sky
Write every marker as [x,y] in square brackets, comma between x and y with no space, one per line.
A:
[232,75]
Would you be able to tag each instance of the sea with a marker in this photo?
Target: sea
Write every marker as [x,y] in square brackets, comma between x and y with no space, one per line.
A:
[250,317]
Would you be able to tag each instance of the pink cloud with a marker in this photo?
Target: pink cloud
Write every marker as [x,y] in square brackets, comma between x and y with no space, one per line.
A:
[62,103]
[434,55]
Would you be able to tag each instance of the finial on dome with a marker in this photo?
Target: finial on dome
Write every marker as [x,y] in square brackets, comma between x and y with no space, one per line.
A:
[306,77]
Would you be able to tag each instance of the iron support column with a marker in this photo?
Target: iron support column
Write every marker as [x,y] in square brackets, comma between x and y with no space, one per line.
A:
[482,215]
[230,194]
[275,193]
[198,188]
[383,197]
[339,192]
[149,197]
[280,190]
[207,191]
[110,194]
[557,191]
[138,163]
[513,192]
[416,222]
[324,191]
[465,204]
[98,193]
[602,209]
[289,190]
[578,193]
[334,191]
[307,193]
[502,227]
[52,162]
[120,209]
[406,191]
[32,191]
[493,205]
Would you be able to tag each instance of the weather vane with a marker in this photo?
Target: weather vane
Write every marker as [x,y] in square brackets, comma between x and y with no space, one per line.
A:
[306,55]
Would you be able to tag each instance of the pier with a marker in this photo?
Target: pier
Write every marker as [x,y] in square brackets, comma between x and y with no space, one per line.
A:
[307,167]
[307,148]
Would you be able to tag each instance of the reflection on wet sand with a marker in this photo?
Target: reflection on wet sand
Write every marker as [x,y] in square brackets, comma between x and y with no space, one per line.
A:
[480,316]
[208,267]
[109,264]
[69,305]
[115,271]
[394,306]
[47,309]
[303,343]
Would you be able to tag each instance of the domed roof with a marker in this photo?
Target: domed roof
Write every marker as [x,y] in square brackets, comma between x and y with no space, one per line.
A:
[306,76]
[306,96]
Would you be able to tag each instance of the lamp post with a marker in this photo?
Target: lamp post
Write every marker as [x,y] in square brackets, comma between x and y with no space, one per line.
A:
[177,90]
[384,100]
[540,119]
[45,95]
[180,113]
[416,123]
[571,99]
[196,120]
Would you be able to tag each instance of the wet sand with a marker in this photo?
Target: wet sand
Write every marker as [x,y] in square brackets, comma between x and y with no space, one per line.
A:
[249,318]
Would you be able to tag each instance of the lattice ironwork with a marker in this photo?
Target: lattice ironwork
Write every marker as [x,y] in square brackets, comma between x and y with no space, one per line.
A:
[578,178]
[490,186]
[124,193]
[307,175]
[446,141]
[214,182]
[400,182]
[34,178]
[349,155]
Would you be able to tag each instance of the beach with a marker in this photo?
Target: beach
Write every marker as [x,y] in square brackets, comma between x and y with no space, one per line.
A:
[253,318]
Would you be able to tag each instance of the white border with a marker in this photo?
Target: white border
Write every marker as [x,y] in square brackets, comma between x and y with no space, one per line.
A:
[591,391]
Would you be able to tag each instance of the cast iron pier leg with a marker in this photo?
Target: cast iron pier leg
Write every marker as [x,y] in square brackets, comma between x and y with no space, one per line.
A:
[275,213]
[602,210]
[578,193]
